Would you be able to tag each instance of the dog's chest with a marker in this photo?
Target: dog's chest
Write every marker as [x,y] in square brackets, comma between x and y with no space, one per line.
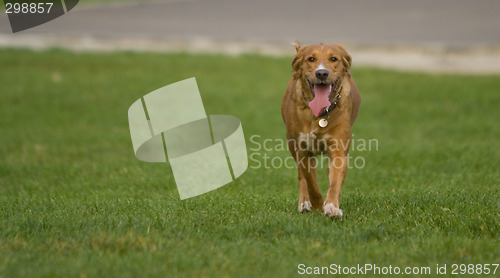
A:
[313,142]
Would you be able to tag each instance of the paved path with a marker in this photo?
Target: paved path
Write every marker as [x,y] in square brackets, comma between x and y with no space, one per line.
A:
[390,26]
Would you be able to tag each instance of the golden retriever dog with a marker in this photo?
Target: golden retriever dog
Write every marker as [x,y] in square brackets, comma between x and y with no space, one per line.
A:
[319,108]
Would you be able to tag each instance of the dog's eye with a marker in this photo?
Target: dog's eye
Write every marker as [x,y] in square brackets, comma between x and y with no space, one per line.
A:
[333,59]
[311,59]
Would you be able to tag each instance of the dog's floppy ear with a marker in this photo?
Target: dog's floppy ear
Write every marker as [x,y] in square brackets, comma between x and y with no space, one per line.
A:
[297,45]
[297,60]
[297,65]
[346,58]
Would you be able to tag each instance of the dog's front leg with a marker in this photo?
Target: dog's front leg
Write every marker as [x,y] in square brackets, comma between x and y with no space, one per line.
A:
[336,173]
[306,165]
[304,200]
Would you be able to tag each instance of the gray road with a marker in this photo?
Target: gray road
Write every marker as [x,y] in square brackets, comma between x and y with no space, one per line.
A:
[450,23]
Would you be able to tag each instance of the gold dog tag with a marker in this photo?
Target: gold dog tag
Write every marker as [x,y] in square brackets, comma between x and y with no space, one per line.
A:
[323,122]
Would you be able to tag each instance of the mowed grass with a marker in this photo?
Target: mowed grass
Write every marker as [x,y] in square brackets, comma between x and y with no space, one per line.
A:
[74,200]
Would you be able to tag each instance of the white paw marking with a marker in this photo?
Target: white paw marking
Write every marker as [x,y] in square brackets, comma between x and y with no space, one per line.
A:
[331,211]
[307,206]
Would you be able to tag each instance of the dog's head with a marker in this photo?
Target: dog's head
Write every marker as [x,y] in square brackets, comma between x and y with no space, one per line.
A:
[321,69]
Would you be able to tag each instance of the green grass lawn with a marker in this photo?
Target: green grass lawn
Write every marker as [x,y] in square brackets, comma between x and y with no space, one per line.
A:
[74,200]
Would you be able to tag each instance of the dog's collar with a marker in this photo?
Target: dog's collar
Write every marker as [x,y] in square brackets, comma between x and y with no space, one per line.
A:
[332,106]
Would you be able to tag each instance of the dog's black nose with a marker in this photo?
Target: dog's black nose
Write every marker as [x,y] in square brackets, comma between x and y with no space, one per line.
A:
[322,74]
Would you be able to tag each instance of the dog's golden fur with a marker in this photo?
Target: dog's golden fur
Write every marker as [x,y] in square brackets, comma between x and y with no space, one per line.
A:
[306,138]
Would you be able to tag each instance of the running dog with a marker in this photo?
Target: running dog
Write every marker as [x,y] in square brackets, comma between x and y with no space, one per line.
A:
[319,108]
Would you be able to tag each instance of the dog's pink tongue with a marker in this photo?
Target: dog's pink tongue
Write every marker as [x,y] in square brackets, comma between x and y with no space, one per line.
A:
[320,101]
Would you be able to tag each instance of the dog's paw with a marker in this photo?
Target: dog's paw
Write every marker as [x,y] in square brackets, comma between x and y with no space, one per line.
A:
[331,211]
[305,206]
